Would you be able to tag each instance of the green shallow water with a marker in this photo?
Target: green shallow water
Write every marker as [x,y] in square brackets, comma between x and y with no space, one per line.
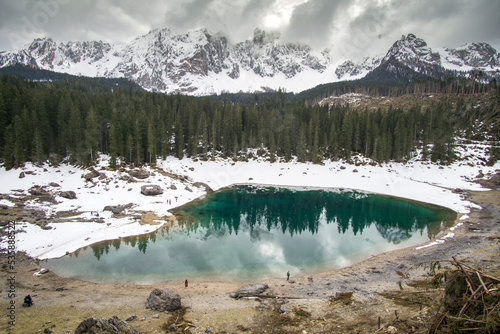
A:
[247,233]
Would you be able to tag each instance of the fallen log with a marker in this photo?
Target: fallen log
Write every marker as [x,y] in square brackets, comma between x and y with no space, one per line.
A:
[250,295]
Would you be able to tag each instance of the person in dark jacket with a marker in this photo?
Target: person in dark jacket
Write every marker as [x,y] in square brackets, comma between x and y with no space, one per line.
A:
[28,301]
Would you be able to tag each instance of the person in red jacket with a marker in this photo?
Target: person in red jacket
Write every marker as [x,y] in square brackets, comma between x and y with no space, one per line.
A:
[186,283]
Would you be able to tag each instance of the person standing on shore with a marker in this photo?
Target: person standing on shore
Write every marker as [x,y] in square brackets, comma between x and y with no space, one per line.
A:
[288,275]
[186,283]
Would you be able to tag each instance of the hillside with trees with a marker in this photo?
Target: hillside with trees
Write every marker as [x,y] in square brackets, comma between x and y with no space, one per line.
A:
[58,121]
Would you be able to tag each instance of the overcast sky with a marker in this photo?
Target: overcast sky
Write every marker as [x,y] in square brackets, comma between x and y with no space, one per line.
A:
[348,28]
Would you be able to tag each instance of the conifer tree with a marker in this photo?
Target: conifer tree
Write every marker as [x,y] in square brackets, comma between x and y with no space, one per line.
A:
[112,146]
[151,143]
[301,145]
[179,139]
[138,142]
[130,147]
[8,149]
[19,141]
[91,133]
[37,152]
[272,149]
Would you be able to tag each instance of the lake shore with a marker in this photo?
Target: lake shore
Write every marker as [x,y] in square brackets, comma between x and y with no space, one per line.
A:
[35,201]
[62,303]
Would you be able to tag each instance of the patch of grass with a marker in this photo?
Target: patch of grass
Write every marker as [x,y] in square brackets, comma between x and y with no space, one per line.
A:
[273,321]
[343,297]
[427,284]
[412,299]
[301,312]
[243,328]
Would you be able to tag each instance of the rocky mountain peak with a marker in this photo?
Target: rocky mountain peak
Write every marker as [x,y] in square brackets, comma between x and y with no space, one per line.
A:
[412,50]
[42,45]
[200,62]
[261,37]
[411,39]
[474,55]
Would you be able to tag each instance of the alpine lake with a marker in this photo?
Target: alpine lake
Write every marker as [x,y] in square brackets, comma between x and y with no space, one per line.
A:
[247,233]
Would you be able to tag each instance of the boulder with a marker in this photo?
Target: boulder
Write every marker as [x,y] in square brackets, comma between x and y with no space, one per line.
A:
[250,290]
[38,191]
[127,178]
[53,184]
[495,180]
[131,317]
[22,175]
[70,194]
[139,174]
[102,326]
[151,190]
[117,209]
[163,300]
[89,176]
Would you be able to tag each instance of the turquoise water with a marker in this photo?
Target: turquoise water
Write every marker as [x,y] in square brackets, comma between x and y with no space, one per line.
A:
[248,233]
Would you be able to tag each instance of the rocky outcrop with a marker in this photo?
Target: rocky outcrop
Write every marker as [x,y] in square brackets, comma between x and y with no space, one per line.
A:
[117,209]
[250,290]
[102,326]
[70,194]
[38,191]
[151,190]
[92,174]
[163,300]
[203,185]
[140,174]
[42,194]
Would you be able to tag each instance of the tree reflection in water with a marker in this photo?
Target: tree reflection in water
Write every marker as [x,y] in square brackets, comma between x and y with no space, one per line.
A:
[293,211]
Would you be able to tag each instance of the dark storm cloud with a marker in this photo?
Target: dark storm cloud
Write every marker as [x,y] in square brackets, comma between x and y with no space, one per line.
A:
[348,28]
[65,20]
[449,23]
[312,21]
[236,18]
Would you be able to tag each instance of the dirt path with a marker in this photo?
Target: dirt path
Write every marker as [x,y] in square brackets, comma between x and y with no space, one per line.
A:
[61,303]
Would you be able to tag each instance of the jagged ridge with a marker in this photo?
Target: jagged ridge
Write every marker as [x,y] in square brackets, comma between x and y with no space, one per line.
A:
[200,62]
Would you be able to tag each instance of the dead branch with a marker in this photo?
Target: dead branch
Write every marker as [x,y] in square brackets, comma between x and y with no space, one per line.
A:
[468,320]
[249,295]
[480,301]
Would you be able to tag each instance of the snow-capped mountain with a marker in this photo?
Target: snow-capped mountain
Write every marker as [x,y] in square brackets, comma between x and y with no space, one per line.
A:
[415,54]
[200,62]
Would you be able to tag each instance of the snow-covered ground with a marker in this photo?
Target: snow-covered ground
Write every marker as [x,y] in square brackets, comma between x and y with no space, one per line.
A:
[416,180]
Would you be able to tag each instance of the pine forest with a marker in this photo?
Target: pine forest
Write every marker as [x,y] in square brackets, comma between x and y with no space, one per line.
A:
[61,122]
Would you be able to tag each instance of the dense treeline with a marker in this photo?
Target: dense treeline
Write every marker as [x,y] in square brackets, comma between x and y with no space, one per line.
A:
[399,80]
[40,121]
[63,79]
